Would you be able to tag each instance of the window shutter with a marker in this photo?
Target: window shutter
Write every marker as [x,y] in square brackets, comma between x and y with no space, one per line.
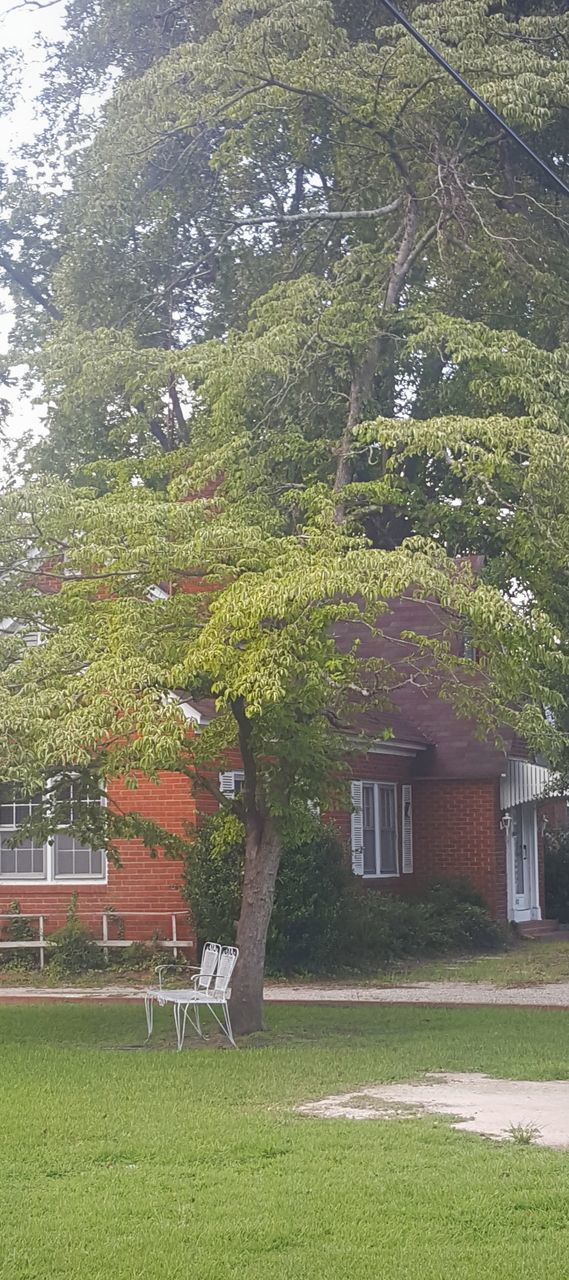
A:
[357,829]
[407,830]
[227,784]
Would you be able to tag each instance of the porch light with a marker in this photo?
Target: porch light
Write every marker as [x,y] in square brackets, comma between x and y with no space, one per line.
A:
[506,821]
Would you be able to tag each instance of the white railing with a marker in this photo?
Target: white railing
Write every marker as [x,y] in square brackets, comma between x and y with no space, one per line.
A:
[43,942]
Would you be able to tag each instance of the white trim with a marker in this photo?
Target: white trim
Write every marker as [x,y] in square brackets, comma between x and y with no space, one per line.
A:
[356,826]
[378,786]
[50,878]
[227,781]
[527,813]
[406,829]
[523,782]
[393,748]
[190,712]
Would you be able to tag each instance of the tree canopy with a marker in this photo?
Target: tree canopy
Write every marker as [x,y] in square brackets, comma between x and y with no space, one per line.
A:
[297,312]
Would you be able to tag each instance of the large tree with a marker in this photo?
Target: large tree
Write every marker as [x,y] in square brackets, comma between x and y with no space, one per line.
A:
[248,618]
[287,245]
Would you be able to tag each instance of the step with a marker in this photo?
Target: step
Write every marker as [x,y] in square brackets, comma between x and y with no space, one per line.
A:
[537,926]
[558,934]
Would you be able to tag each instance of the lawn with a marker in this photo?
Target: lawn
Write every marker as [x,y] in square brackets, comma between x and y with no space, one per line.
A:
[526,964]
[140,1164]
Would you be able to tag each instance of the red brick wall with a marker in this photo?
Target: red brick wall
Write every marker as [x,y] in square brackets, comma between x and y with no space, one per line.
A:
[456,828]
[456,831]
[140,884]
[377,767]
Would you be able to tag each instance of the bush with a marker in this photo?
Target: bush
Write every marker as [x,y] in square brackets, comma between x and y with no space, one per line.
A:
[75,948]
[322,917]
[380,929]
[19,929]
[305,925]
[557,875]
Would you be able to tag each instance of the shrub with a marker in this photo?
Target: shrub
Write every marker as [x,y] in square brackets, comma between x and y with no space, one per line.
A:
[75,948]
[305,924]
[322,917]
[380,929]
[557,875]
[18,929]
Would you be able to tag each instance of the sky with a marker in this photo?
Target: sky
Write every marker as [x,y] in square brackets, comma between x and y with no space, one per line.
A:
[22,26]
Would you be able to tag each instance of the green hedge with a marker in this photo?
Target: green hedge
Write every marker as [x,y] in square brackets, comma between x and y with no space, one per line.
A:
[557,875]
[311,884]
[323,918]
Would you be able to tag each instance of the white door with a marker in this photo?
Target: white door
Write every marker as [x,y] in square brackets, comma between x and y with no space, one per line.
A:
[523,868]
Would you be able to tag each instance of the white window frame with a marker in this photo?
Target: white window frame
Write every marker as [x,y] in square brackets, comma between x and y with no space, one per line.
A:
[49,853]
[227,781]
[378,787]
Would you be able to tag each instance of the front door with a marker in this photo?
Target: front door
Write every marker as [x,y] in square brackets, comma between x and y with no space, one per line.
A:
[523,868]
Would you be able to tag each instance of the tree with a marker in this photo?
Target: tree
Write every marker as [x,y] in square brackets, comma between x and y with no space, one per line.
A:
[250,620]
[279,210]
[247,148]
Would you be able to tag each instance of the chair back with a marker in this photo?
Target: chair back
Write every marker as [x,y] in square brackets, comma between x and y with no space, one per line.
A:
[208,966]
[227,962]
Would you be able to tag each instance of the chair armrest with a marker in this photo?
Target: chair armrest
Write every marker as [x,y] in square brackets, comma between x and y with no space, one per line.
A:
[160,969]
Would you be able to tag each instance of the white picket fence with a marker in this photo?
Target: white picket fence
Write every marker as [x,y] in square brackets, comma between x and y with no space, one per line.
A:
[42,943]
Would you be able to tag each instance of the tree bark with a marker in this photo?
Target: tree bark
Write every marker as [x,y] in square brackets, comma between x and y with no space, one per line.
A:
[263,849]
[262,857]
[362,381]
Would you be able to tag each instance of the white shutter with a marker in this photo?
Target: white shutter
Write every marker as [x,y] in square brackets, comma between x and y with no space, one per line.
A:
[227,784]
[407,830]
[357,829]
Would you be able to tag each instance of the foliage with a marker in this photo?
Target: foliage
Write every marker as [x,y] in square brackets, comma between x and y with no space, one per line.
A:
[141,1138]
[213,877]
[323,921]
[379,929]
[75,950]
[18,929]
[288,261]
[556,863]
[305,929]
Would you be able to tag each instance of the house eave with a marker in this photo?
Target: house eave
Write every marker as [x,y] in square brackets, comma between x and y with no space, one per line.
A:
[395,747]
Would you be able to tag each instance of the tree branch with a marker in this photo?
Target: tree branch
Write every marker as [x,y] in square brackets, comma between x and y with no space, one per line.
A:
[21,277]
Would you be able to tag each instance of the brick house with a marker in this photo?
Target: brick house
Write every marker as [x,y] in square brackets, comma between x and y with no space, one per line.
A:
[429,801]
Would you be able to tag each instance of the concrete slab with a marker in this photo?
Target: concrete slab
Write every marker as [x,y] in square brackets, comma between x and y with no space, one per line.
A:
[506,1110]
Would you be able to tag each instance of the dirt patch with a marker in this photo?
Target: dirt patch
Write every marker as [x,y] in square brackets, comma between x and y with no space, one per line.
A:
[506,1110]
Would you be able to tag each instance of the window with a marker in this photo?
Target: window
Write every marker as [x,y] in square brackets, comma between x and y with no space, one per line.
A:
[230,784]
[374,829]
[26,859]
[72,858]
[65,857]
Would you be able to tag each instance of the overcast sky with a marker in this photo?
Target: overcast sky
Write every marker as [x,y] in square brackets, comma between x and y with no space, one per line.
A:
[23,28]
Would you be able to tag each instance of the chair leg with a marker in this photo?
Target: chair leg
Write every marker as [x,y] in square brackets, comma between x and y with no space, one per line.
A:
[149,1010]
[183,1018]
[228,1028]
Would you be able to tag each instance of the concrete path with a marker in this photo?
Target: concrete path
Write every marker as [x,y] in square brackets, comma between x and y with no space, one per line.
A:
[548,995]
[529,1110]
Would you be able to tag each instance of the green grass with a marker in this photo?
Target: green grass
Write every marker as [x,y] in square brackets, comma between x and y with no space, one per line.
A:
[525,964]
[122,1163]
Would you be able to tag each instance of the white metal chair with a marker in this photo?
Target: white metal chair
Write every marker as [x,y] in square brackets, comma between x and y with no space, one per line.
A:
[210,989]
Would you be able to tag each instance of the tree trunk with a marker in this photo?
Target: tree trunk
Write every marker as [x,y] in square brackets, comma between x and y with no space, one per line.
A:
[262,857]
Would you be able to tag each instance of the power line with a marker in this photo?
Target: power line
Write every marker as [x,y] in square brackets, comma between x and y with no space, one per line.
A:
[498,119]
